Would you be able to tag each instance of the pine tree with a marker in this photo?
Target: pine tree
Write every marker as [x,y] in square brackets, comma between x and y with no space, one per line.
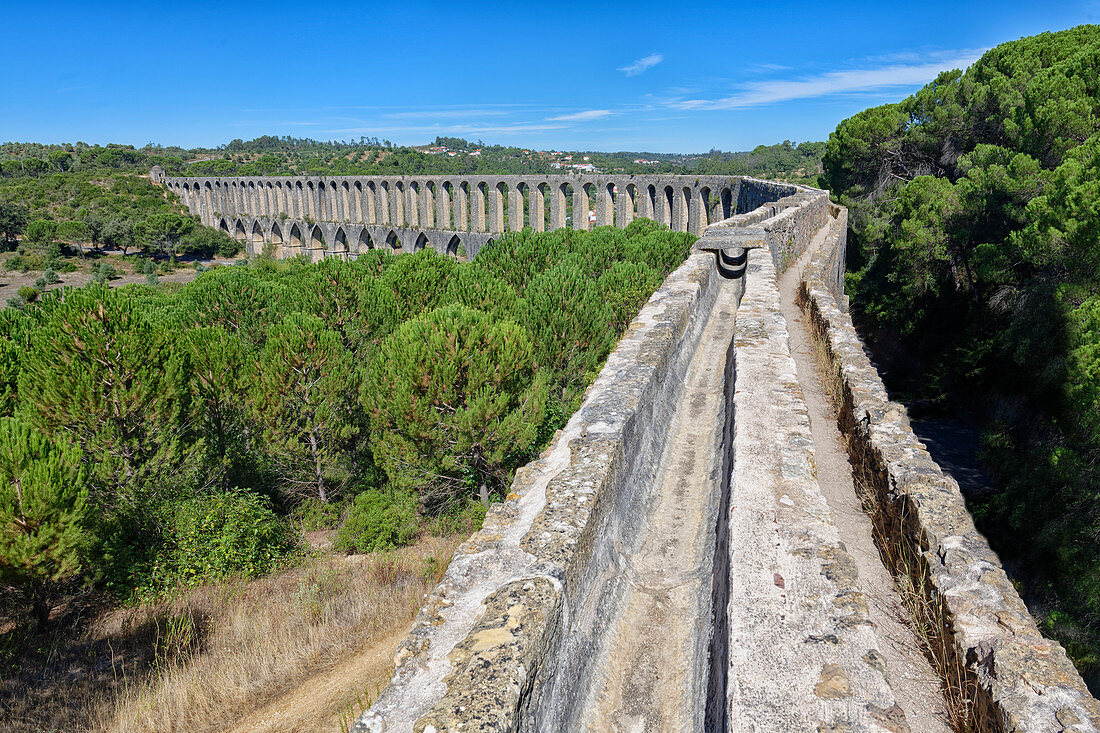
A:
[455,400]
[477,288]
[219,399]
[43,510]
[626,286]
[418,281]
[304,397]
[103,376]
[570,325]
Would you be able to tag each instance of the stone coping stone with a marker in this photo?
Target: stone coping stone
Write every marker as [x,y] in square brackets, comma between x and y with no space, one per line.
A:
[1020,680]
[803,652]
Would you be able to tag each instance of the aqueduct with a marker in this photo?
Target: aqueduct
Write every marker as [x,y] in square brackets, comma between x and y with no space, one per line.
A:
[324,216]
[676,560]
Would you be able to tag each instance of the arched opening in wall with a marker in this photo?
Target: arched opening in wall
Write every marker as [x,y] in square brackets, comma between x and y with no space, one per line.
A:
[224,226]
[544,203]
[252,205]
[706,206]
[448,218]
[397,216]
[454,246]
[340,244]
[727,203]
[346,206]
[277,242]
[359,212]
[392,242]
[239,231]
[365,242]
[412,214]
[521,199]
[298,201]
[421,242]
[630,203]
[257,238]
[316,244]
[461,207]
[278,194]
[324,203]
[587,190]
[428,199]
[499,209]
[668,205]
[382,197]
[311,201]
[611,198]
[295,241]
[272,200]
[208,195]
[564,206]
[479,206]
[651,202]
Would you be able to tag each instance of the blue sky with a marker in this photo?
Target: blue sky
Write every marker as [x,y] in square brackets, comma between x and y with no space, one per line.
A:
[665,77]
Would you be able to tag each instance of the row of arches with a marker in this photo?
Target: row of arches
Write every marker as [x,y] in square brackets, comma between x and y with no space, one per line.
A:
[288,238]
[678,202]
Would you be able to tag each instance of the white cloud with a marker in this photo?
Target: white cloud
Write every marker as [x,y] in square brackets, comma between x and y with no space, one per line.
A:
[754,94]
[642,64]
[588,114]
[453,113]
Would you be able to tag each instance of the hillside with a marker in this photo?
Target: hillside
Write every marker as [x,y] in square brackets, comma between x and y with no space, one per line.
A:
[975,275]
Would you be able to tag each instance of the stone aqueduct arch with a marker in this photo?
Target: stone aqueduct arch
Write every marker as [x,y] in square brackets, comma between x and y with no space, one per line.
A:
[342,216]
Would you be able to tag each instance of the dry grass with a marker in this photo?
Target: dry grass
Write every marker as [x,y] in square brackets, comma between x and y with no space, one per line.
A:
[268,636]
[212,656]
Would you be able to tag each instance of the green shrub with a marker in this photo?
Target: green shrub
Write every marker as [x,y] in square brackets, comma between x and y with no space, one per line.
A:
[103,272]
[40,283]
[315,515]
[228,533]
[50,276]
[378,521]
[28,293]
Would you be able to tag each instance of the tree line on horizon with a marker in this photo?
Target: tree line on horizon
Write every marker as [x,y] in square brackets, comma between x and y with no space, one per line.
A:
[275,155]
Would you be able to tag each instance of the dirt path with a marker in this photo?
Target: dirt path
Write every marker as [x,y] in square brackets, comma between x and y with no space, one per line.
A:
[318,704]
[915,684]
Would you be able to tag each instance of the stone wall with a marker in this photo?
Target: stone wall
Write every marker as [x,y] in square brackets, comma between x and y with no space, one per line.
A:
[1014,678]
[481,642]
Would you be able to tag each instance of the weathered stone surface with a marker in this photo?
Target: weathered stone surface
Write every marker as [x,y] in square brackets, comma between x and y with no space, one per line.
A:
[803,654]
[1020,680]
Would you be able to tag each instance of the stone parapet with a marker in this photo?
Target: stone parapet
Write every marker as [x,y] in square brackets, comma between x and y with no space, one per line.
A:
[481,641]
[1012,678]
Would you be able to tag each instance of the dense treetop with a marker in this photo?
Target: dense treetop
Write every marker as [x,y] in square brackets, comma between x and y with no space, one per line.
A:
[160,436]
[975,225]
